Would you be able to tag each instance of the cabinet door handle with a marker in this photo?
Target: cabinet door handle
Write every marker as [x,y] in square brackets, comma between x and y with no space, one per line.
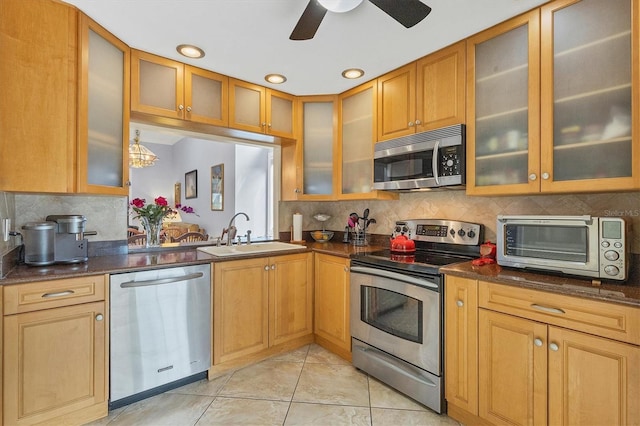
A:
[554,347]
[537,341]
[459,303]
[533,177]
[58,294]
[266,267]
[411,124]
[273,267]
[346,269]
[418,122]
[188,109]
[545,176]
[180,107]
[547,309]
[99,317]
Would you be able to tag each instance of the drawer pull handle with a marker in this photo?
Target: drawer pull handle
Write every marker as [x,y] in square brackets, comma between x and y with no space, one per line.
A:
[547,309]
[58,294]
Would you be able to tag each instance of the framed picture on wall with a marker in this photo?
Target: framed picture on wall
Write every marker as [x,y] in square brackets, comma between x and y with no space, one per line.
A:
[177,194]
[191,184]
[217,187]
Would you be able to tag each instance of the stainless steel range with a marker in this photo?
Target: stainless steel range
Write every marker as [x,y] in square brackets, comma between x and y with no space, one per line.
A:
[397,306]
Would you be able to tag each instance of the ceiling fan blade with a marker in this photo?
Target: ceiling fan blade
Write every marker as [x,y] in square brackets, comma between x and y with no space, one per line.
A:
[309,21]
[407,12]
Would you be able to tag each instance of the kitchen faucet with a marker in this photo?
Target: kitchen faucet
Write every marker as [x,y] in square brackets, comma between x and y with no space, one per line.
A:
[231,230]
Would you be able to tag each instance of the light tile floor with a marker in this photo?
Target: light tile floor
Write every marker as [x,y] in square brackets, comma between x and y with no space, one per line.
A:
[307,386]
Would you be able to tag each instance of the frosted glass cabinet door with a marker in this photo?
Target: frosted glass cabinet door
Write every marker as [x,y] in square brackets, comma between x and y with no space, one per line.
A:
[246,106]
[281,112]
[318,143]
[503,117]
[588,47]
[205,96]
[358,137]
[157,85]
[103,133]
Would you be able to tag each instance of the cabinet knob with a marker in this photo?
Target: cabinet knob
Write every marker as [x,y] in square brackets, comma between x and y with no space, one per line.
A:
[459,303]
[346,269]
[545,176]
[533,177]
[180,107]
[297,190]
[269,125]
[554,347]
[537,341]
[266,267]
[418,122]
[128,183]
[411,124]
[99,317]
[188,109]
[273,267]
[264,124]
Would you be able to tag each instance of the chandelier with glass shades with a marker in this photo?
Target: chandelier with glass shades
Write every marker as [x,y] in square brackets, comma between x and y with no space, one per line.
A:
[140,156]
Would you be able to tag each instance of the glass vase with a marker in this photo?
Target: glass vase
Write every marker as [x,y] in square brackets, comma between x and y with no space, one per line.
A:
[152,228]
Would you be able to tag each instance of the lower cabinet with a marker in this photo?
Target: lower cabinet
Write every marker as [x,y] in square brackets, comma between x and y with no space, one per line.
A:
[260,303]
[541,358]
[55,352]
[331,326]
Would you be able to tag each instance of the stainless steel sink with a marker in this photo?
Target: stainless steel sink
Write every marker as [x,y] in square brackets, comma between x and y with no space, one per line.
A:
[254,248]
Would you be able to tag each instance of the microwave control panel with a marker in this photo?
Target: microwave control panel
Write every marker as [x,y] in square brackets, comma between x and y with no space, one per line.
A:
[451,160]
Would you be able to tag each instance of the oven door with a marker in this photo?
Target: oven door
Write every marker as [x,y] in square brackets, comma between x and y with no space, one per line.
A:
[399,314]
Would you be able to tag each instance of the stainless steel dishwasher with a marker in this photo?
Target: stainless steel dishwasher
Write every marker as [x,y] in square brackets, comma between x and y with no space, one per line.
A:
[160,331]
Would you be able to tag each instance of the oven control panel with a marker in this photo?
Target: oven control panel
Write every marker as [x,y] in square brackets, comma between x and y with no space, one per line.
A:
[440,231]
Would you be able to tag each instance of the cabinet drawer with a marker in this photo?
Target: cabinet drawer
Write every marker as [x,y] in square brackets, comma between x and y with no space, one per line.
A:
[52,294]
[600,318]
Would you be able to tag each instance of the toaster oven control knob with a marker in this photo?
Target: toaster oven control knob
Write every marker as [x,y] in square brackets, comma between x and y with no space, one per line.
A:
[449,162]
[452,232]
[611,255]
[605,244]
[617,245]
[611,270]
[471,234]
[462,233]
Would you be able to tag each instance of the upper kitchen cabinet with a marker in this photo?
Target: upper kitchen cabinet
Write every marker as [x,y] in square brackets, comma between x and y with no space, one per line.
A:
[423,95]
[357,136]
[589,103]
[260,110]
[503,107]
[103,111]
[319,145]
[559,112]
[172,89]
[38,103]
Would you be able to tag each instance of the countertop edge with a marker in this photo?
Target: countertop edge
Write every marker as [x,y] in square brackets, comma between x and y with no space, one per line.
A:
[627,293]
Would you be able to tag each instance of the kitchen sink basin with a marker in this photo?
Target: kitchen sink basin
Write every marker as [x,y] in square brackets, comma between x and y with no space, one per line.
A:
[254,248]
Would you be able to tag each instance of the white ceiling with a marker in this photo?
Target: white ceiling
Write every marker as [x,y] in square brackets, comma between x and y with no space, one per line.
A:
[248,39]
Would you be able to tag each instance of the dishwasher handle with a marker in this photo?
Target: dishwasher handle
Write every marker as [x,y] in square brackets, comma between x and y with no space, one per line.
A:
[394,276]
[160,281]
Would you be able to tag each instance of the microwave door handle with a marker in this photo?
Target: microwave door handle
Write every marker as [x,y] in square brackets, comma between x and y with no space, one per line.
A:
[394,276]
[434,162]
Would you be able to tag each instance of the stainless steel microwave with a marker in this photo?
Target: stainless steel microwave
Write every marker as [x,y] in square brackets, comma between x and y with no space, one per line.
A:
[423,160]
[578,245]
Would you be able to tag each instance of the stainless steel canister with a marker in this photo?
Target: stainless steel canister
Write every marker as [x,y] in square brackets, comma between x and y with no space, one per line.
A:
[39,243]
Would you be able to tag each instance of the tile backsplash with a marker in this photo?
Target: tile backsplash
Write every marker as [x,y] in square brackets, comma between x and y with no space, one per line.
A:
[455,204]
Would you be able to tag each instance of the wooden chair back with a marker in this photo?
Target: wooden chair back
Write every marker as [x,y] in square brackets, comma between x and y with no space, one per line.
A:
[191,236]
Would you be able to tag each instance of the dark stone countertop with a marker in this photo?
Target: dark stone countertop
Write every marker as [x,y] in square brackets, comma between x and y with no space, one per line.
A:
[157,258]
[627,293]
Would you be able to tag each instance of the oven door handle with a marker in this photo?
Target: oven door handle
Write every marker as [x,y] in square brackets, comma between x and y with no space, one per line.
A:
[394,276]
[434,162]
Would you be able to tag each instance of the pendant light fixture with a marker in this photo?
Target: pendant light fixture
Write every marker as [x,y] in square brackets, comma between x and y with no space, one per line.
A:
[140,156]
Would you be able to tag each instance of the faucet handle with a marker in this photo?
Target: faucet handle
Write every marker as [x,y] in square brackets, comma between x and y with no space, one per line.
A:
[249,236]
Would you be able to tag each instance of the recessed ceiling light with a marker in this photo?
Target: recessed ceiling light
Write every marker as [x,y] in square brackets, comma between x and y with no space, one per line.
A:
[275,78]
[190,51]
[352,73]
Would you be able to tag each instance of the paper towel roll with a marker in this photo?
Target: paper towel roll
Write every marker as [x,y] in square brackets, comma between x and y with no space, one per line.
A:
[297,227]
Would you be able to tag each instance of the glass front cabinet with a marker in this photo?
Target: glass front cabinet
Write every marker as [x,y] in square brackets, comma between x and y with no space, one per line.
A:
[551,104]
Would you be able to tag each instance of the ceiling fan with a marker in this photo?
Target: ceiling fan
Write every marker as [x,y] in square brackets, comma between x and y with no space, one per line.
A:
[407,12]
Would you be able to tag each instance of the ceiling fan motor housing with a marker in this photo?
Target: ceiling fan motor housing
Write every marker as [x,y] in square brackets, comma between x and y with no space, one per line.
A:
[340,6]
